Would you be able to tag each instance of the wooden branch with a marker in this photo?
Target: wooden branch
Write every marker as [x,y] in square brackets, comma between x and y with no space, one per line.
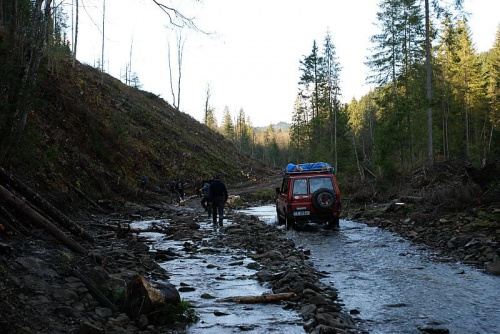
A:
[102,299]
[48,208]
[258,299]
[119,228]
[10,220]
[81,193]
[37,219]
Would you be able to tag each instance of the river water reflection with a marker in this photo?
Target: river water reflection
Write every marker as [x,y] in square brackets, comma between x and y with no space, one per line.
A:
[396,286]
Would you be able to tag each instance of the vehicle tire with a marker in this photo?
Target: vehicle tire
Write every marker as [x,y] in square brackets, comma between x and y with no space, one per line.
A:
[323,199]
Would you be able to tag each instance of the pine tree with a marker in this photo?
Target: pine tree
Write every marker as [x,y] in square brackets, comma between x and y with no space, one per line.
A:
[227,125]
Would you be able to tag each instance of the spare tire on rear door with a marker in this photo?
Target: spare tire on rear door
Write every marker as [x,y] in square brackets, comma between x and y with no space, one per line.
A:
[323,199]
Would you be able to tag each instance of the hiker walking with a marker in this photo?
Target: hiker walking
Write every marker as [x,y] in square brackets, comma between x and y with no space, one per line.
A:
[205,200]
[179,187]
[218,196]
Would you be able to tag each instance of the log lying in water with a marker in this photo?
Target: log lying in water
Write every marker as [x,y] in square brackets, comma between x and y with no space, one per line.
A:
[258,299]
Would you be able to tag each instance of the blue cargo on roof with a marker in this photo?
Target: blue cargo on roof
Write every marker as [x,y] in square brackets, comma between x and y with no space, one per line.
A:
[309,167]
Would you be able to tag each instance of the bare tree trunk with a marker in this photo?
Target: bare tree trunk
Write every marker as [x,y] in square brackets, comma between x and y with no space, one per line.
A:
[207,104]
[180,52]
[430,154]
[76,33]
[102,47]
[361,173]
[171,77]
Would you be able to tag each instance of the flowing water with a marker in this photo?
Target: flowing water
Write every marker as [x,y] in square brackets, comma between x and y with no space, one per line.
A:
[209,274]
[395,286]
[398,287]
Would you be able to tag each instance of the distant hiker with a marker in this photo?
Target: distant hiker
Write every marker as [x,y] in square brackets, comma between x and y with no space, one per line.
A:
[218,196]
[144,181]
[179,187]
[205,200]
[173,192]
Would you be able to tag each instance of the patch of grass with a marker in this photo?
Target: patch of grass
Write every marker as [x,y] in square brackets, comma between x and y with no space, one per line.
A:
[116,295]
[170,314]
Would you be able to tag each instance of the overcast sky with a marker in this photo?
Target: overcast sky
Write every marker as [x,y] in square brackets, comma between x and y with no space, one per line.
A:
[251,56]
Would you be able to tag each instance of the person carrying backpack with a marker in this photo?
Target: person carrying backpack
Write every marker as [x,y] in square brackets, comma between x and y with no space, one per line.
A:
[218,196]
[179,187]
[205,200]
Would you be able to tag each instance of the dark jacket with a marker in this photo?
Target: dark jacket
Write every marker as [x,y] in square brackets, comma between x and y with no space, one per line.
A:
[218,189]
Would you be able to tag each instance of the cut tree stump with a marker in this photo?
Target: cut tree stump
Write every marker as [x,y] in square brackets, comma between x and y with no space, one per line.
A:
[142,297]
[258,299]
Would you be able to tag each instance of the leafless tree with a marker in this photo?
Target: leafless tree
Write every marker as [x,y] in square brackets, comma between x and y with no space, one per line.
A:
[180,41]
[75,40]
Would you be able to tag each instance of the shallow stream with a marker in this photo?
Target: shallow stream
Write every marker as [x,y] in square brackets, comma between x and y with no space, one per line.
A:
[392,285]
[398,287]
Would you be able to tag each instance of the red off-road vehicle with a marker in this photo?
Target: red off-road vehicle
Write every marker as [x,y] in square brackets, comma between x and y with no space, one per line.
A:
[309,194]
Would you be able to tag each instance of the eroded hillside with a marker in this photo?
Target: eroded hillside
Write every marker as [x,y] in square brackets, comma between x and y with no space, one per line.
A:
[90,132]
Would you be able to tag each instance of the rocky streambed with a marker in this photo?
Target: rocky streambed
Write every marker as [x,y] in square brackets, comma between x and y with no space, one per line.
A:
[472,236]
[44,287]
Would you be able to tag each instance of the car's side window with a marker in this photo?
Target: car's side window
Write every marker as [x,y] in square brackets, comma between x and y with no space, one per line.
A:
[300,187]
[320,182]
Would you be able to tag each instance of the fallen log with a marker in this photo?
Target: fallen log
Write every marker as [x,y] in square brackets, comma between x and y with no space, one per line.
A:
[258,299]
[9,220]
[119,228]
[39,220]
[101,299]
[43,204]
[88,199]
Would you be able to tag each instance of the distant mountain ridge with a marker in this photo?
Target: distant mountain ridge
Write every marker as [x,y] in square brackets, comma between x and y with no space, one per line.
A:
[278,126]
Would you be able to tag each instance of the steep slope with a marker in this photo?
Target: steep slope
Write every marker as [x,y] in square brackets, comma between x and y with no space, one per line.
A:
[90,132]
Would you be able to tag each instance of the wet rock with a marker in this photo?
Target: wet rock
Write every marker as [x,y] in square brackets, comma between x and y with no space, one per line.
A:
[265,276]
[220,314]
[253,266]
[104,312]
[142,322]
[309,325]
[308,311]
[434,330]
[493,268]
[317,300]
[207,296]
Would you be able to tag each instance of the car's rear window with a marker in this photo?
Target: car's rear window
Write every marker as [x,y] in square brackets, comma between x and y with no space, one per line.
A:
[320,182]
[300,187]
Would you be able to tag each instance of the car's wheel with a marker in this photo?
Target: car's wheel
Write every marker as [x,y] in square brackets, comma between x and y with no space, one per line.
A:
[323,199]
